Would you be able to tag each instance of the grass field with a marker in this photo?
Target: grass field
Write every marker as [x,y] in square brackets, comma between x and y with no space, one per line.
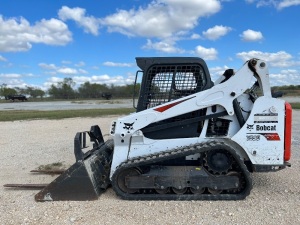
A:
[13,115]
[295,105]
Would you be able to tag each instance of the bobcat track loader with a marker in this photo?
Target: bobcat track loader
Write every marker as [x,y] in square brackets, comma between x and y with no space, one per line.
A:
[190,138]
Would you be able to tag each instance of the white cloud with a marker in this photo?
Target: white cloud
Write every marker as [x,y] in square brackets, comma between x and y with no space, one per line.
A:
[104,79]
[12,80]
[195,36]
[81,71]
[50,81]
[216,32]
[95,67]
[161,18]
[206,53]
[89,23]
[216,72]
[3,59]
[275,3]
[277,59]
[289,71]
[16,83]
[113,64]
[66,62]
[61,70]
[10,75]
[287,3]
[48,66]
[67,71]
[251,35]
[100,77]
[18,35]
[52,32]
[260,3]
[283,78]
[167,46]
[166,20]
[80,64]
[55,79]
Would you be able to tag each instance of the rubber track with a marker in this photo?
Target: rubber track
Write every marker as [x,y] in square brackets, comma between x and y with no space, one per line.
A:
[180,152]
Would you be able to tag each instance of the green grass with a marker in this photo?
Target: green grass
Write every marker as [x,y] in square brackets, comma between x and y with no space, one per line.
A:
[295,105]
[13,115]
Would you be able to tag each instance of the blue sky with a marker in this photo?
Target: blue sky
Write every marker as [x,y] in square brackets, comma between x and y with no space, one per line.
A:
[43,42]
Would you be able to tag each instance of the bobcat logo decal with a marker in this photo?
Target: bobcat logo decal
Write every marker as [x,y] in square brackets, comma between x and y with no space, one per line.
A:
[250,127]
[128,126]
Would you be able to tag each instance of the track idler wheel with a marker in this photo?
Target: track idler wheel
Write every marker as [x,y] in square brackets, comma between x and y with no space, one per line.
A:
[238,185]
[122,180]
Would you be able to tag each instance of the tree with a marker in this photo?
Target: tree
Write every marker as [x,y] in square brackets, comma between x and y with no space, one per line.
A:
[88,90]
[63,90]
[20,91]
[34,92]
[125,91]
[39,93]
[5,91]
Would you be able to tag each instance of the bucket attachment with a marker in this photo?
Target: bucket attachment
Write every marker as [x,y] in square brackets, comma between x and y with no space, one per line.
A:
[88,177]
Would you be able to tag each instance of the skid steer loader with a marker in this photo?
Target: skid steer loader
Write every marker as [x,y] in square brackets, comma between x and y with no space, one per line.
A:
[190,138]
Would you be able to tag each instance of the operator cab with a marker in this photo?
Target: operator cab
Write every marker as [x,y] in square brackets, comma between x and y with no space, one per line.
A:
[166,79]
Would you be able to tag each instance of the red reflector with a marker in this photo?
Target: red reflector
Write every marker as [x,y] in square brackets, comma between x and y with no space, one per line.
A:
[288,132]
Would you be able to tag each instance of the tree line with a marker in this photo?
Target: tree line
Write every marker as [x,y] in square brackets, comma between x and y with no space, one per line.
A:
[66,90]
[287,89]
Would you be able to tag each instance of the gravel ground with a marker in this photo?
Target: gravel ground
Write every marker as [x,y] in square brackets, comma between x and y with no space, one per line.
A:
[275,198]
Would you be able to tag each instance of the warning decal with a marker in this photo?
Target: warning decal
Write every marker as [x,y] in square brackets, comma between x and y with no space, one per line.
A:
[266,118]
